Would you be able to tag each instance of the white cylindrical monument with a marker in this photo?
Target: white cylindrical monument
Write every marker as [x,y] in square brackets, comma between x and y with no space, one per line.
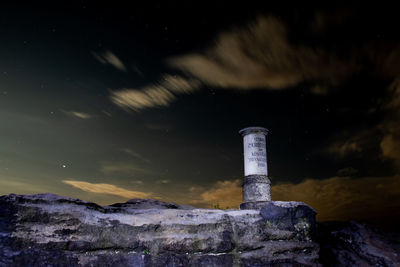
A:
[255,154]
[256,185]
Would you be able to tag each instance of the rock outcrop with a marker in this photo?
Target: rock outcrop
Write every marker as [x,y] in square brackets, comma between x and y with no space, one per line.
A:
[354,244]
[49,230]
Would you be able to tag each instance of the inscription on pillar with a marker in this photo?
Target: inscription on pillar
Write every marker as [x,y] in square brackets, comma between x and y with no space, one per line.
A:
[255,154]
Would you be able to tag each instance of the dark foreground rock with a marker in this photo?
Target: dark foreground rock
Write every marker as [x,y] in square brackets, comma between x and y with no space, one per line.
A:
[291,216]
[354,244]
[49,230]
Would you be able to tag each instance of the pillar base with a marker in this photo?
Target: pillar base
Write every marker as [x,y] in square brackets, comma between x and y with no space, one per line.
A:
[255,205]
[256,188]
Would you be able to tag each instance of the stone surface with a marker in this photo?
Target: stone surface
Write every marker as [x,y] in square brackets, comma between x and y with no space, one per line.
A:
[49,230]
[149,204]
[354,244]
[291,216]
[256,188]
[254,205]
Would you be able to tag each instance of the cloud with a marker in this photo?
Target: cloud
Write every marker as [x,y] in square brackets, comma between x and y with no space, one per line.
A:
[335,198]
[343,198]
[8,184]
[223,193]
[178,84]
[349,171]
[165,181]
[77,114]
[159,126]
[390,146]
[140,99]
[107,189]
[390,143]
[108,114]
[344,148]
[384,135]
[121,168]
[261,56]
[161,94]
[319,90]
[109,57]
[258,55]
[351,143]
[196,189]
[135,154]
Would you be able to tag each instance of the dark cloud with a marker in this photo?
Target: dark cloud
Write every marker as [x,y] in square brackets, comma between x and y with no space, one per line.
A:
[349,171]
[260,55]
[390,127]
[350,143]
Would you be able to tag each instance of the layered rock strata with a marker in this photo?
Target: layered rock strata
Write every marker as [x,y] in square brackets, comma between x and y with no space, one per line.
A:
[50,230]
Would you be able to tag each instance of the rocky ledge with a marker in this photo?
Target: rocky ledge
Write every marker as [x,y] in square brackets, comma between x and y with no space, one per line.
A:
[49,230]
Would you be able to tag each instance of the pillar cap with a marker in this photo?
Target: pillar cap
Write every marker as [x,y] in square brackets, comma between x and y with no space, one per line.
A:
[249,130]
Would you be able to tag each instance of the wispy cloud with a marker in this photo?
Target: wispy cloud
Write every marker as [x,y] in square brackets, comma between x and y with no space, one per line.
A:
[164,181]
[108,114]
[260,55]
[344,148]
[140,99]
[108,167]
[161,94]
[109,57]
[107,189]
[135,154]
[77,114]
[348,143]
[159,126]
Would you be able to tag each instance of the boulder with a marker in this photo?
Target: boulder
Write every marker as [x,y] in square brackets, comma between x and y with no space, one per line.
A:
[50,230]
[292,216]
[355,244]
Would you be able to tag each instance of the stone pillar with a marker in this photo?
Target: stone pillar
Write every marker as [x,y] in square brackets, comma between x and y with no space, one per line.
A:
[256,185]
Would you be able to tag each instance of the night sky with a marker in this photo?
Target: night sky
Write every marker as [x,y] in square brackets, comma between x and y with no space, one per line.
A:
[108,103]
